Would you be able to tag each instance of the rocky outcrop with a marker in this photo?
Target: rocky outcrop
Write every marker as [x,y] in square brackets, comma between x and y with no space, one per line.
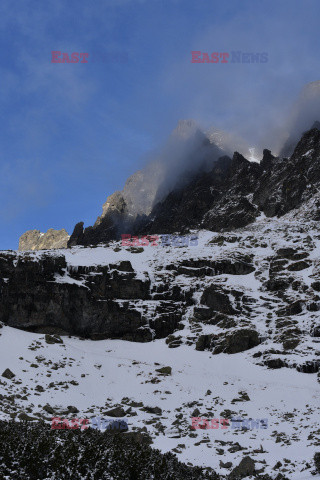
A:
[138,194]
[234,193]
[217,300]
[291,182]
[187,149]
[35,240]
[237,341]
[96,301]
[245,468]
[53,294]
[214,200]
[231,293]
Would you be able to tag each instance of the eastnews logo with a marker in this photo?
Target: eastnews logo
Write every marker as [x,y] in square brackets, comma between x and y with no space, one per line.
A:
[224,423]
[97,423]
[84,57]
[159,240]
[232,57]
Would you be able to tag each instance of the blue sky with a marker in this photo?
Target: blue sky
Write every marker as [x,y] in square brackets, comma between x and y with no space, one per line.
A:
[72,133]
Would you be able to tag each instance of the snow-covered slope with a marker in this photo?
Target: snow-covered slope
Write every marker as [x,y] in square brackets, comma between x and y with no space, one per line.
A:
[276,297]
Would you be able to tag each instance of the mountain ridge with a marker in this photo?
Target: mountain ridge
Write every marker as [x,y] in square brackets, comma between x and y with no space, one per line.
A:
[230,195]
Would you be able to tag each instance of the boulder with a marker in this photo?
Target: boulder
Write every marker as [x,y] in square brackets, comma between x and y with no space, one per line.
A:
[51,339]
[116,412]
[72,409]
[204,342]
[297,266]
[274,363]
[164,370]
[8,374]
[245,468]
[154,410]
[237,341]
[316,286]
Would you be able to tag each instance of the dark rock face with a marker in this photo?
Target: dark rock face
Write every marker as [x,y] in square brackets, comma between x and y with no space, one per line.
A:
[288,183]
[292,309]
[204,342]
[317,461]
[77,235]
[237,341]
[291,253]
[215,200]
[46,294]
[230,195]
[237,265]
[98,302]
[217,300]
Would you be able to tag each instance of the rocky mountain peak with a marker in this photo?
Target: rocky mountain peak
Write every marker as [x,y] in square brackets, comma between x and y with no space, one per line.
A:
[114,203]
[36,240]
[267,159]
[229,195]
[238,160]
